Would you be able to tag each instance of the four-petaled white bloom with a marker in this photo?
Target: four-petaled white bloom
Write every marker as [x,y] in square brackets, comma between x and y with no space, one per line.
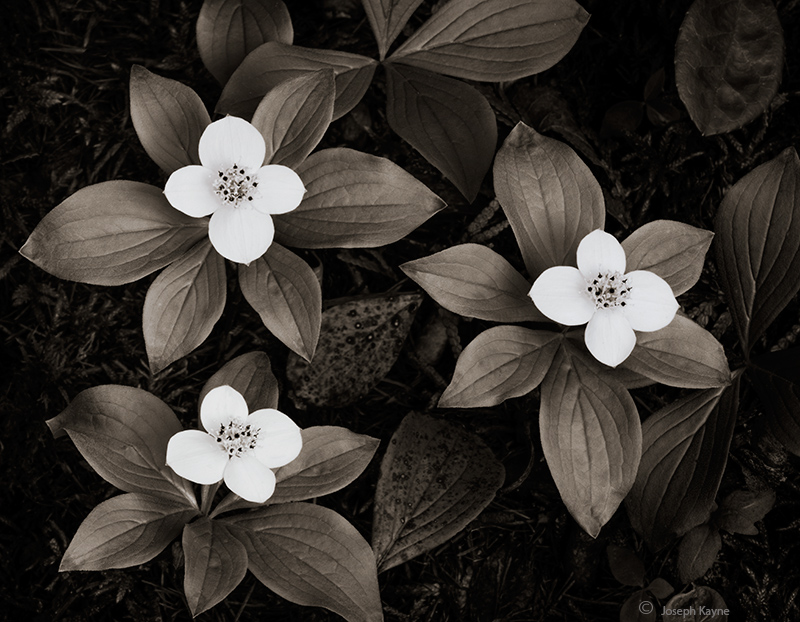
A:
[599,292]
[235,189]
[242,449]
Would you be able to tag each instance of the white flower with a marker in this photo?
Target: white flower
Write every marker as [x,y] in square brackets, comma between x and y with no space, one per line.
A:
[242,449]
[233,187]
[599,292]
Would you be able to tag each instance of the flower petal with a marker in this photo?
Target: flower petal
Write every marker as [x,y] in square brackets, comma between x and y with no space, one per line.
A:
[280,189]
[195,455]
[190,190]
[249,479]
[600,253]
[609,336]
[241,234]
[651,305]
[279,441]
[231,141]
[560,293]
[221,406]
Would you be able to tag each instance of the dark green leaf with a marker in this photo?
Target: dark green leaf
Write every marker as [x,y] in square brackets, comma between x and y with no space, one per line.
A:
[741,509]
[286,293]
[450,123]
[697,552]
[777,380]
[183,304]
[435,479]
[112,233]
[495,40]
[387,18]
[251,375]
[625,565]
[728,62]
[355,200]
[700,604]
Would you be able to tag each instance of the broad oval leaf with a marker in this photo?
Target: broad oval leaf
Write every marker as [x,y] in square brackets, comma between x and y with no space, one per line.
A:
[294,115]
[495,40]
[742,509]
[697,552]
[354,200]
[251,375]
[673,250]
[359,342]
[272,63]
[450,123]
[474,281]
[286,293]
[500,363]
[387,18]
[183,304]
[549,196]
[112,233]
[685,449]
[777,380]
[758,244]
[682,354]
[125,531]
[216,562]
[310,555]
[228,30]
[638,608]
[435,479]
[168,117]
[591,438]
[728,62]
[123,432]
[625,565]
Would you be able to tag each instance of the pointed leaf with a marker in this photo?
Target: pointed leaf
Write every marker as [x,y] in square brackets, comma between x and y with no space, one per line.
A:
[355,200]
[673,250]
[112,233]
[591,438]
[272,63]
[777,380]
[450,123]
[125,531]
[625,565]
[435,479]
[387,18]
[500,363]
[228,30]
[286,293]
[728,62]
[660,588]
[359,342]
[495,40]
[681,354]
[123,432]
[474,281]
[310,555]
[216,563]
[758,244]
[685,451]
[183,304]
[741,509]
[697,552]
[549,196]
[251,375]
[294,116]
[168,117]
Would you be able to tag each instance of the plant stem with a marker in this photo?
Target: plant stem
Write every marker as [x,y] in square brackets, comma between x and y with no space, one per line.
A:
[207,493]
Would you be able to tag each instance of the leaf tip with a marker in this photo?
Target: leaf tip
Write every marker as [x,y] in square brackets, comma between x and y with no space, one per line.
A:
[56,427]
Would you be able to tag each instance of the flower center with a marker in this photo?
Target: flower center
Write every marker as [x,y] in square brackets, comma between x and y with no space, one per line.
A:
[235,186]
[608,290]
[237,438]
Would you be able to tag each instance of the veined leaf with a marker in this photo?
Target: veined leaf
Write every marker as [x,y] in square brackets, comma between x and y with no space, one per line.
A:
[183,304]
[728,62]
[777,380]
[591,437]
[742,509]
[625,565]
[758,244]
[387,18]
[251,375]
[495,40]
[286,293]
[228,30]
[112,233]
[435,479]
[450,123]
[125,531]
[500,363]
[354,200]
[697,552]
[474,281]
[272,63]
[549,196]
[294,116]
